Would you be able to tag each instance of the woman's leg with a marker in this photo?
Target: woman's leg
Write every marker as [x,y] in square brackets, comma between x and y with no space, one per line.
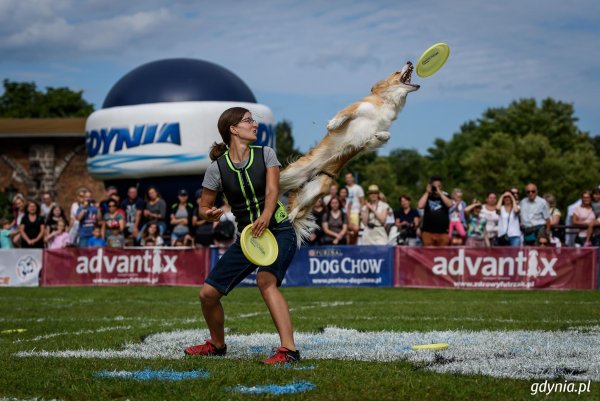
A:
[278,307]
[210,299]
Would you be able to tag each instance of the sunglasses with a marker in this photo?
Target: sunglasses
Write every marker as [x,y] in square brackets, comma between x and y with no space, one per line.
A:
[531,192]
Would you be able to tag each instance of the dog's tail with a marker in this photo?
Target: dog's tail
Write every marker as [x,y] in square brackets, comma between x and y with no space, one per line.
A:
[300,203]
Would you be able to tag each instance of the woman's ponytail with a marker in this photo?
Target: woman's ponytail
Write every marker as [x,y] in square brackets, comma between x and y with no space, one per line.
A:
[217,150]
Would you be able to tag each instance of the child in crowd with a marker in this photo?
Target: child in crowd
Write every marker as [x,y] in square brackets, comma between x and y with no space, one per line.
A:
[457,214]
[96,241]
[476,232]
[59,238]
[115,238]
[7,232]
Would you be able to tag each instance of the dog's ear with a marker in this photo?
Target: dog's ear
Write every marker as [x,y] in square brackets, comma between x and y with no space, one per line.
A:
[379,86]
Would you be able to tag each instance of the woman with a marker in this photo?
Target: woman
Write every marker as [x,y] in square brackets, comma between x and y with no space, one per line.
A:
[32,227]
[318,211]
[583,215]
[237,167]
[155,210]
[151,236]
[489,213]
[334,223]
[509,232]
[18,209]
[557,235]
[181,218]
[113,225]
[407,222]
[373,215]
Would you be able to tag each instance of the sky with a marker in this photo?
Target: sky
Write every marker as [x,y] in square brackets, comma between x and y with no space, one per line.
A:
[308,59]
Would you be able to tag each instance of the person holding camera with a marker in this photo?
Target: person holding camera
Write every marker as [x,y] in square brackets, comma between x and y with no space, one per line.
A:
[373,216]
[407,220]
[87,216]
[436,205]
[509,232]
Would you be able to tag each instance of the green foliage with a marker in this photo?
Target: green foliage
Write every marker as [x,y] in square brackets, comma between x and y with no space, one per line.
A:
[285,150]
[23,100]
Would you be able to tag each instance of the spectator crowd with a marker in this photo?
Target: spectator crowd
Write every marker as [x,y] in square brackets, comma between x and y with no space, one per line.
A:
[346,215]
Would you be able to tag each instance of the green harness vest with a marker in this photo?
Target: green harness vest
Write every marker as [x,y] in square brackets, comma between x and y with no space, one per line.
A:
[245,188]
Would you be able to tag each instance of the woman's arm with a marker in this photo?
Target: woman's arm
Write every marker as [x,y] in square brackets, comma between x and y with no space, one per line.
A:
[208,211]
[41,233]
[271,196]
[22,231]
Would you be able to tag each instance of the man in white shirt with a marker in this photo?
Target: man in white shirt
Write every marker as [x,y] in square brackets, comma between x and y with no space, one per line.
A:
[535,217]
[356,200]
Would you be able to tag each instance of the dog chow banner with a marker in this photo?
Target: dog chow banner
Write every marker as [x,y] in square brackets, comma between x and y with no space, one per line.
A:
[114,267]
[496,268]
[20,267]
[342,266]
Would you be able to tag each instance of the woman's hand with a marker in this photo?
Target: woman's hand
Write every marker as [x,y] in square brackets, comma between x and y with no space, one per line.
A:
[213,214]
[260,224]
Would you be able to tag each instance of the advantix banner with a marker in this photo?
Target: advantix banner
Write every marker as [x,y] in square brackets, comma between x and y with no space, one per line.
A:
[496,268]
[111,267]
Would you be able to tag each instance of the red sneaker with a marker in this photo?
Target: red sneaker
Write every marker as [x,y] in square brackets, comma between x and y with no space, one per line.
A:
[207,349]
[282,355]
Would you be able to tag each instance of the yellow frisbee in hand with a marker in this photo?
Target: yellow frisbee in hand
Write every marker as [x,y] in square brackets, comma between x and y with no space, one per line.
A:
[263,250]
[432,59]
[430,346]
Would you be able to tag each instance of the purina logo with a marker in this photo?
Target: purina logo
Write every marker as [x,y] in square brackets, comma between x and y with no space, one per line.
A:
[104,140]
[27,268]
[532,265]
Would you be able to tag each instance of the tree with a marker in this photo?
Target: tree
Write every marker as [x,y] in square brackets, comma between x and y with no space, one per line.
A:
[23,100]
[286,152]
[524,142]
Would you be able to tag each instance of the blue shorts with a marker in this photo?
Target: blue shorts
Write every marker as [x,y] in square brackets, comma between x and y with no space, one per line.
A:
[233,266]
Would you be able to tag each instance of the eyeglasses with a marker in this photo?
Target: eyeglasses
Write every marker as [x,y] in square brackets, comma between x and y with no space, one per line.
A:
[531,191]
[112,205]
[248,120]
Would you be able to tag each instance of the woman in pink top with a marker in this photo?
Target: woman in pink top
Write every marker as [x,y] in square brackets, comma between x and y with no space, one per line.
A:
[584,215]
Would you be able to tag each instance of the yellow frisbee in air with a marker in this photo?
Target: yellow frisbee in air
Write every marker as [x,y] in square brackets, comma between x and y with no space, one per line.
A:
[432,59]
[263,250]
[430,346]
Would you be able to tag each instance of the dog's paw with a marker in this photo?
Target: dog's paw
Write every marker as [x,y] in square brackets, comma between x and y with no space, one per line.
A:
[336,122]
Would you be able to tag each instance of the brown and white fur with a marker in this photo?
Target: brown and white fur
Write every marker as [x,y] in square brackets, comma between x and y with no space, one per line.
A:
[359,127]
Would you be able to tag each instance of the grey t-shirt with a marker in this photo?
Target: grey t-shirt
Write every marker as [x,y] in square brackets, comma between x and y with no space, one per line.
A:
[212,177]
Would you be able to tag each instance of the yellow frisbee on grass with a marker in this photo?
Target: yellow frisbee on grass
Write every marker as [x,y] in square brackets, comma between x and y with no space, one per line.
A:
[432,59]
[261,251]
[434,347]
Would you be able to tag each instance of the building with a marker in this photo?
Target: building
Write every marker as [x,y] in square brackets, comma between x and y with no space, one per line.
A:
[45,154]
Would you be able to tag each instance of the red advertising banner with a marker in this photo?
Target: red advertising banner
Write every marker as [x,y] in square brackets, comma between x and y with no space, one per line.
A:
[114,267]
[496,268]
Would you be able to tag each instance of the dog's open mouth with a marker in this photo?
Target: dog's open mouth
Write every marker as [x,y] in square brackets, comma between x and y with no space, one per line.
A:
[405,78]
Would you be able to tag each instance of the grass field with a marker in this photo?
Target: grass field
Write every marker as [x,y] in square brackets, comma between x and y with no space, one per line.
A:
[110,318]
